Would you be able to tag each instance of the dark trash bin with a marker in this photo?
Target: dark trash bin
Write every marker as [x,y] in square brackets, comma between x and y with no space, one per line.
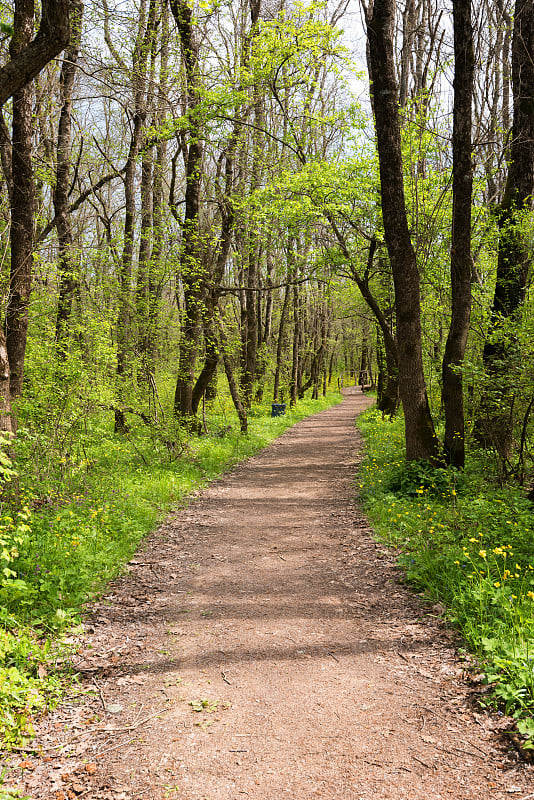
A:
[278,409]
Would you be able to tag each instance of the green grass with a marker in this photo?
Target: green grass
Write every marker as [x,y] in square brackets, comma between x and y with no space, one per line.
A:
[86,497]
[468,544]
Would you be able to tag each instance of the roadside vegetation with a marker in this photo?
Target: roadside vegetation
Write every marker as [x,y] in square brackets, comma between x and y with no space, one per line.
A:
[467,543]
[77,507]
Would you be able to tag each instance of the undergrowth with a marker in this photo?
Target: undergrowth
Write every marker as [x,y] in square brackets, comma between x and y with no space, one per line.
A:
[73,513]
[468,544]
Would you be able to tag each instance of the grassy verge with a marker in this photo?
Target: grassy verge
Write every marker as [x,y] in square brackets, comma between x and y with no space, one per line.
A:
[467,544]
[83,508]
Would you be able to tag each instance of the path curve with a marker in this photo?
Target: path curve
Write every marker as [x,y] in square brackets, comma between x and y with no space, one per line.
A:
[262,647]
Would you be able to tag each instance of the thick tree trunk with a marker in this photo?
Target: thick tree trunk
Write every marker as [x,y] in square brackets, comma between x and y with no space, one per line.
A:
[494,426]
[461,261]
[22,206]
[421,440]
[388,393]
[27,56]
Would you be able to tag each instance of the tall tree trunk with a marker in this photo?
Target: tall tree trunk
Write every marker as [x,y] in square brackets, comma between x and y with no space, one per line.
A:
[421,440]
[253,254]
[146,32]
[295,354]
[191,268]
[280,341]
[461,261]
[494,426]
[251,327]
[68,260]
[22,205]
[154,278]
[142,294]
[125,277]
[264,335]
[147,234]
[213,280]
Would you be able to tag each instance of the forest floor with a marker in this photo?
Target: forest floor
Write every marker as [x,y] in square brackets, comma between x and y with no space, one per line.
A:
[262,645]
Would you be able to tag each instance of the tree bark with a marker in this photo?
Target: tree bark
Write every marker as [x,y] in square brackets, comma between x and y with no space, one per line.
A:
[67,262]
[280,341]
[295,352]
[191,269]
[495,426]
[513,260]
[421,440]
[232,384]
[145,34]
[461,261]
[22,205]
[28,57]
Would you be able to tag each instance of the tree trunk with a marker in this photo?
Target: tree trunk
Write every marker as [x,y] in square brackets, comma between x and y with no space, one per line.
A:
[461,261]
[209,369]
[6,420]
[125,278]
[280,342]
[421,440]
[22,206]
[495,426]
[27,57]
[264,336]
[68,260]
[142,295]
[232,385]
[158,220]
[251,326]
[295,354]
[191,268]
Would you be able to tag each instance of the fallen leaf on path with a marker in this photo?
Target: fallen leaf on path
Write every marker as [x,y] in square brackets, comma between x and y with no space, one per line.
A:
[114,708]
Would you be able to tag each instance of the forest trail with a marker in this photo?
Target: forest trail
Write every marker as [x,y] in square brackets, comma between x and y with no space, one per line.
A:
[262,647]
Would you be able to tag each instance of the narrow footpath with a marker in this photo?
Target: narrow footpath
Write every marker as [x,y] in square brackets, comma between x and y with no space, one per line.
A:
[262,646]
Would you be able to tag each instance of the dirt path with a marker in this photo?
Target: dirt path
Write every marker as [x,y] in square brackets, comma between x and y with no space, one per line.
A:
[267,606]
